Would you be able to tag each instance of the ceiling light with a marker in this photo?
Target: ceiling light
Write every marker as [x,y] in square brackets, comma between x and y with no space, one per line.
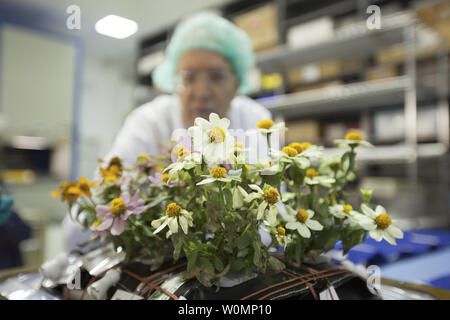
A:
[116,27]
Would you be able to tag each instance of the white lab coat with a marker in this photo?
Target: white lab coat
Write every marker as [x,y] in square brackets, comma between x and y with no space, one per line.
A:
[160,120]
[155,123]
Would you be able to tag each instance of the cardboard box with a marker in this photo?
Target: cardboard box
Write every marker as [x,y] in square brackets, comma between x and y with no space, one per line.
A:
[303,131]
[333,131]
[314,72]
[381,72]
[427,45]
[432,13]
[310,33]
[389,125]
[261,25]
[316,86]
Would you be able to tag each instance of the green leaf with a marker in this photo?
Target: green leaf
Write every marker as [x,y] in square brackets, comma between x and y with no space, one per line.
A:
[218,264]
[323,210]
[192,259]
[271,180]
[275,264]
[256,254]
[228,197]
[156,202]
[243,241]
[238,264]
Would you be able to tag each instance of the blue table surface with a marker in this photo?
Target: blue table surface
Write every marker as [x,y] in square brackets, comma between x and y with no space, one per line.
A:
[422,256]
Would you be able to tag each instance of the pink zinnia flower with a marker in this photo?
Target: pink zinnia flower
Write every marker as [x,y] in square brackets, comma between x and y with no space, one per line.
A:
[114,215]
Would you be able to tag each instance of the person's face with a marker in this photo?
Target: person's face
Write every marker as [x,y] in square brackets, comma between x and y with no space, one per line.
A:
[205,84]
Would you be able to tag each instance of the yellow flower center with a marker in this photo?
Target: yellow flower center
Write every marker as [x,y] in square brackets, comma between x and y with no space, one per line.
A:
[117,207]
[302,215]
[353,135]
[173,209]
[114,169]
[347,208]
[300,147]
[383,221]
[84,185]
[218,172]
[305,145]
[182,154]
[291,152]
[217,135]
[333,197]
[311,173]
[110,178]
[281,231]
[247,167]
[71,194]
[96,223]
[239,145]
[159,168]
[265,124]
[143,156]
[271,195]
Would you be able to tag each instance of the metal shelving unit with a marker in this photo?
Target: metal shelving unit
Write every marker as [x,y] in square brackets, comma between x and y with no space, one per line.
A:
[358,42]
[341,45]
[352,96]
[361,96]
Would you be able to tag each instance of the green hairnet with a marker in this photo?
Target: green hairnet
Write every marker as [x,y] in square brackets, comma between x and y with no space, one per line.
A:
[211,32]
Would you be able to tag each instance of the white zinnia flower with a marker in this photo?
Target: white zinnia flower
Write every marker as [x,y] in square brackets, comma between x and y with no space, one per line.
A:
[380,224]
[352,139]
[301,221]
[343,211]
[269,196]
[290,155]
[306,149]
[212,139]
[220,174]
[187,163]
[268,126]
[174,215]
[313,177]
[267,167]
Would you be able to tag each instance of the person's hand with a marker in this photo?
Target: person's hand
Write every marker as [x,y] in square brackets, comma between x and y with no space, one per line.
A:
[6,203]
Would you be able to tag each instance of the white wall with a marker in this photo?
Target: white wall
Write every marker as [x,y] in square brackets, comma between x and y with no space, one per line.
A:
[106,99]
[36,83]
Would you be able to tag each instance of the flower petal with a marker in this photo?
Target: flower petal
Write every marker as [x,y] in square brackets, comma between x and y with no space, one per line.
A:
[103,211]
[376,235]
[183,224]
[389,238]
[395,232]
[206,181]
[261,209]
[159,224]
[379,210]
[173,225]
[105,224]
[292,225]
[118,226]
[126,197]
[313,225]
[368,211]
[256,188]
[303,230]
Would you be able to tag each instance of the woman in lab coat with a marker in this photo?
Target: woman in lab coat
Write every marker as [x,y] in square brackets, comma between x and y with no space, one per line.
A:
[205,70]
